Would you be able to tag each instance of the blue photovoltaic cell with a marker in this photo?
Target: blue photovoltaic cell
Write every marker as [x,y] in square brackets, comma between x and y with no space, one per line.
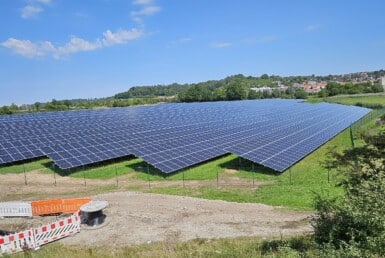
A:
[275,133]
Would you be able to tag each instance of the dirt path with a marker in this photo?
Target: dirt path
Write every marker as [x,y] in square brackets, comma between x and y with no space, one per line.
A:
[136,218]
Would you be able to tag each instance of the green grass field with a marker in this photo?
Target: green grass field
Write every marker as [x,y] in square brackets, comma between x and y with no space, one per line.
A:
[356,100]
[237,247]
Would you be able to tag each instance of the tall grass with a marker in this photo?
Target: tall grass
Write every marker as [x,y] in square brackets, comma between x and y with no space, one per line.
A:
[236,247]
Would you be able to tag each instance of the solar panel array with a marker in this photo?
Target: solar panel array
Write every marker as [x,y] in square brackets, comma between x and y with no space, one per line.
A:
[274,133]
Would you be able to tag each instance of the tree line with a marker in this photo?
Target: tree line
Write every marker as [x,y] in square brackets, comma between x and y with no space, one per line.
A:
[235,87]
[65,105]
[239,87]
[334,88]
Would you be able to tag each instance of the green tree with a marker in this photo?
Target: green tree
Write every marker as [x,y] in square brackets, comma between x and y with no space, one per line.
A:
[276,93]
[301,94]
[13,107]
[219,94]
[322,93]
[5,110]
[67,103]
[333,88]
[290,91]
[37,106]
[254,95]
[196,92]
[236,90]
[355,225]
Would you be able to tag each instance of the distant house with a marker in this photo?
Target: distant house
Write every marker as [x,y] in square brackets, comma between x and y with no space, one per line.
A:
[262,89]
[310,86]
[313,86]
[298,85]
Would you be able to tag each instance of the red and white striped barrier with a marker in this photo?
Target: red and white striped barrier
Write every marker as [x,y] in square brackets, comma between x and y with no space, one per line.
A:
[57,230]
[17,242]
[32,239]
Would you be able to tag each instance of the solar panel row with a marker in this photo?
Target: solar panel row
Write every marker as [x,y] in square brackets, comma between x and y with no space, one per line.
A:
[274,133]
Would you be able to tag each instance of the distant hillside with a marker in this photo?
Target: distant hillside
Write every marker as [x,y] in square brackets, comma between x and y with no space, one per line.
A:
[239,87]
[151,91]
[235,87]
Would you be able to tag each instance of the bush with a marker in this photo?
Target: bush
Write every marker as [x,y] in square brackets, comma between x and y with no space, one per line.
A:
[355,225]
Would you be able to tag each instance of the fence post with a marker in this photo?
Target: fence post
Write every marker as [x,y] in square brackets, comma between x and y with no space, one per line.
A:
[148,175]
[25,176]
[252,171]
[54,174]
[217,179]
[116,174]
[351,136]
[290,175]
[84,177]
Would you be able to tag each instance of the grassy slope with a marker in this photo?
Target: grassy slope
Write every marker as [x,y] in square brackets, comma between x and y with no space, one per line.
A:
[353,100]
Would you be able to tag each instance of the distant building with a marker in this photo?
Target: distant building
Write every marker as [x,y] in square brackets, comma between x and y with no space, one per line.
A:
[314,87]
[262,89]
[310,86]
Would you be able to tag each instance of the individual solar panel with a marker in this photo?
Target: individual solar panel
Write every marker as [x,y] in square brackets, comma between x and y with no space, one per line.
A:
[274,133]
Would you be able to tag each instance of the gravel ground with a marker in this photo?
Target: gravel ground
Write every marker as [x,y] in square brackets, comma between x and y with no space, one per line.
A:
[136,218]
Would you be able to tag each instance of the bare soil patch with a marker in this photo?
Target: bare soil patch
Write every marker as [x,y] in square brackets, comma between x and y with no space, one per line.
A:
[136,218]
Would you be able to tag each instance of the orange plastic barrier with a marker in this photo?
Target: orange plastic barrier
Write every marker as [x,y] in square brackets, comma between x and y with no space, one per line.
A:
[73,205]
[54,206]
[45,207]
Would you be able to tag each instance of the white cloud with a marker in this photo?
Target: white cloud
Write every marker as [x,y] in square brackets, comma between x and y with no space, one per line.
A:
[46,2]
[120,37]
[148,8]
[30,11]
[33,8]
[25,47]
[31,49]
[146,11]
[142,2]
[221,44]
[311,27]
[76,45]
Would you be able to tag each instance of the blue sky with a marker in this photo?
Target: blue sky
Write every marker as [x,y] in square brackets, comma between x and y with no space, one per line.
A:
[65,49]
